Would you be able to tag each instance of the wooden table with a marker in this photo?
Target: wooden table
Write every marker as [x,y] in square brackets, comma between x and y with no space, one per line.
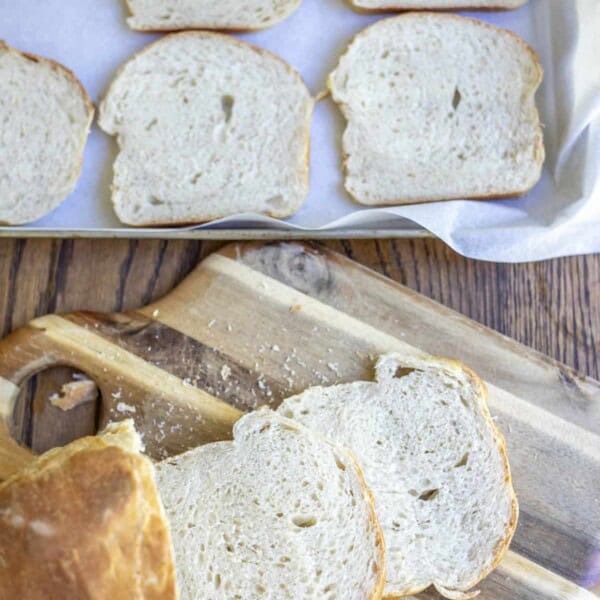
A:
[552,306]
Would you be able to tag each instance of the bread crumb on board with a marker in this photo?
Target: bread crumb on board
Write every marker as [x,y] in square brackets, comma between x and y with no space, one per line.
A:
[225,372]
[122,407]
[74,394]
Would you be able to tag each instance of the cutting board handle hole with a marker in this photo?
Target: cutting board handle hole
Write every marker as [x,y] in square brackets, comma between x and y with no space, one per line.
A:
[39,423]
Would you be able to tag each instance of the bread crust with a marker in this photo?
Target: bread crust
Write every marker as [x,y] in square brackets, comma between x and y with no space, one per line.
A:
[400,7]
[85,522]
[380,540]
[89,105]
[243,44]
[538,150]
[204,26]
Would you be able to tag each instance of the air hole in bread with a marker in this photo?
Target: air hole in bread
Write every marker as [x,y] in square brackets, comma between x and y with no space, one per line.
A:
[429,494]
[264,428]
[340,465]
[151,124]
[403,372]
[156,201]
[463,461]
[304,521]
[456,98]
[217,581]
[227,103]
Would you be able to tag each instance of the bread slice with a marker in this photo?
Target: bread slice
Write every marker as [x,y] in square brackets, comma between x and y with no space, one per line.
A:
[171,15]
[436,465]
[85,521]
[382,5]
[277,513]
[208,126]
[46,116]
[438,107]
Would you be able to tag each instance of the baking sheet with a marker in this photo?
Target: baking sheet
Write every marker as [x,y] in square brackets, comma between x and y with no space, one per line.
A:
[92,38]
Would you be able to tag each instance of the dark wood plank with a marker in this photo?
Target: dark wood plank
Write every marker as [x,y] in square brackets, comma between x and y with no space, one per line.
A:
[552,306]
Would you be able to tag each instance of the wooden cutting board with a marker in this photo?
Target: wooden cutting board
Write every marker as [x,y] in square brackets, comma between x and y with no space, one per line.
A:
[255,323]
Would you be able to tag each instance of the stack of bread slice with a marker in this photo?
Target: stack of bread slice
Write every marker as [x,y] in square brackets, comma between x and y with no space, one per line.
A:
[283,510]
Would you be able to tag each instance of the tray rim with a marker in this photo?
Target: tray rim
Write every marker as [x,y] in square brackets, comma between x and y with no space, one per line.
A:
[215,234]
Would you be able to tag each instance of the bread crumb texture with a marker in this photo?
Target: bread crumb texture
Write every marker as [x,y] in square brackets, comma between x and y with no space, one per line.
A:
[277,513]
[438,107]
[46,116]
[208,126]
[436,465]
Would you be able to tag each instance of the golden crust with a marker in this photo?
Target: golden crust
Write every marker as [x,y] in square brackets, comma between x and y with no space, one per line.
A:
[379,538]
[85,522]
[539,150]
[241,43]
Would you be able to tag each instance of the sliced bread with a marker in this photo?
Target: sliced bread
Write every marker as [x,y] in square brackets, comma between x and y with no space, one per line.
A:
[85,521]
[208,126]
[438,107]
[46,116]
[170,15]
[436,465]
[279,512]
[381,5]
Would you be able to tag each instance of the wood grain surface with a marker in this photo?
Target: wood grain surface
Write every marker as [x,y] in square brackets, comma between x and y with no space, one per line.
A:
[249,307]
[551,306]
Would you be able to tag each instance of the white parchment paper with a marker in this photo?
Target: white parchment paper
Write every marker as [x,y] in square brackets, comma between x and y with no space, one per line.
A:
[561,216]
